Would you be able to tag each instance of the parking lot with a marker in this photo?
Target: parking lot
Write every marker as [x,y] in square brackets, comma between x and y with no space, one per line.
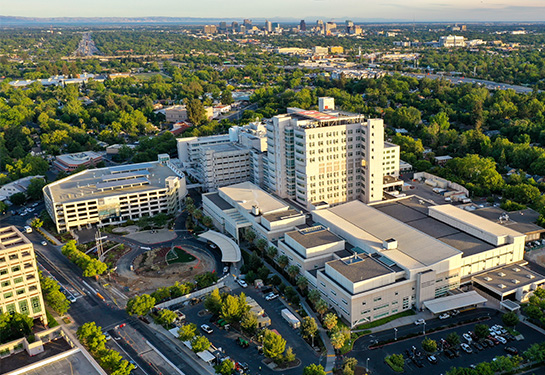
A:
[227,339]
[378,366]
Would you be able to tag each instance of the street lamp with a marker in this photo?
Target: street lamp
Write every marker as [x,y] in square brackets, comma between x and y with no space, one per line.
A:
[424,328]
[395,334]
[367,365]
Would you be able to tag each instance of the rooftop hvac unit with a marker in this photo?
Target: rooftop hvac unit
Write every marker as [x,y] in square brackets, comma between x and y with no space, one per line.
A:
[487,278]
[501,286]
[530,276]
[515,281]
[501,274]
[516,269]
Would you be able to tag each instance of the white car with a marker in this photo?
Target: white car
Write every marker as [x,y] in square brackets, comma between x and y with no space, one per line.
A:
[242,283]
[271,296]
[467,337]
[501,339]
[419,321]
[44,243]
[466,348]
[444,316]
[206,328]
[107,336]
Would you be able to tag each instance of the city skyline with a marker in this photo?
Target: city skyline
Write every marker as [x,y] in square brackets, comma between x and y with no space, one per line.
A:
[418,10]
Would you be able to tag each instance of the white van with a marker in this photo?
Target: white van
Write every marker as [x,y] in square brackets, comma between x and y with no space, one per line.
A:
[28,229]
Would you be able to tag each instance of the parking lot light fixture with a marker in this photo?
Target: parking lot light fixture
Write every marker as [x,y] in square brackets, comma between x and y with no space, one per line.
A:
[367,365]
[424,328]
[395,334]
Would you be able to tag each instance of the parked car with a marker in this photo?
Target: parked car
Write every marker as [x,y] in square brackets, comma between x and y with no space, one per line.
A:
[454,312]
[134,364]
[509,337]
[242,342]
[494,340]
[466,348]
[107,336]
[490,342]
[444,316]
[501,339]
[511,350]
[417,362]
[271,296]
[449,353]
[408,353]
[432,359]
[478,346]
[484,343]
[467,337]
[242,283]
[419,322]
[206,328]
[44,243]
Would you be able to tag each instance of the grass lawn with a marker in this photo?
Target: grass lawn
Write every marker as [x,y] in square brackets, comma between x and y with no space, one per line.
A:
[385,320]
[179,255]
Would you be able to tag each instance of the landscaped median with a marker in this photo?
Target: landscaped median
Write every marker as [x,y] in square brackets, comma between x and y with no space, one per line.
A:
[396,362]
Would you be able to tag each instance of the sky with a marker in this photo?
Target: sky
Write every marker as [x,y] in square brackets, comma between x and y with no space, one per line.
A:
[310,10]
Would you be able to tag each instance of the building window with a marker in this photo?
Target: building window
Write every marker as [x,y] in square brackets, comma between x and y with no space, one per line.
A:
[36,307]
[21,291]
[376,299]
[23,307]
[5,283]
[333,292]
[8,295]
[16,269]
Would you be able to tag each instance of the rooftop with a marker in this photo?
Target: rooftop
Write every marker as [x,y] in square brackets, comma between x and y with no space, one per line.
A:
[415,249]
[313,236]
[91,183]
[522,221]
[359,267]
[11,237]
[456,301]
[78,158]
[224,147]
[413,212]
[247,195]
[277,216]
[507,279]
[221,203]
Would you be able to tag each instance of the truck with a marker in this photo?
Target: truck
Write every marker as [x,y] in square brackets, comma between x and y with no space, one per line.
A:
[28,229]
[431,183]
[290,318]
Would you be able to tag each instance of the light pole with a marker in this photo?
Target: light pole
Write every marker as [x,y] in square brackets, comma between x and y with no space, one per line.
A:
[367,365]
[424,328]
[395,334]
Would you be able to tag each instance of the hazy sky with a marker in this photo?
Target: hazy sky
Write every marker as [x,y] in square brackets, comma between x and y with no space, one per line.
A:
[420,10]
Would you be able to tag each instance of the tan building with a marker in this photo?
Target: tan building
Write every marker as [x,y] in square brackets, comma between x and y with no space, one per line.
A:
[20,289]
[115,194]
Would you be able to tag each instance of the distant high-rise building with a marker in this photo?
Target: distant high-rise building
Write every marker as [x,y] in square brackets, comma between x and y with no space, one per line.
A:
[242,29]
[235,27]
[268,26]
[223,27]
[349,27]
[303,25]
[330,26]
[210,29]
[248,24]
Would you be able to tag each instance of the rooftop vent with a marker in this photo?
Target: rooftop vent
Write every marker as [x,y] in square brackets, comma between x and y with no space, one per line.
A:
[255,210]
[487,278]
[389,244]
[516,269]
[515,281]
[501,274]
[530,276]
[501,286]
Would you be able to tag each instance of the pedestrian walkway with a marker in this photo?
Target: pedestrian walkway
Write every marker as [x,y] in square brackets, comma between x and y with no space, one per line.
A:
[152,237]
[402,321]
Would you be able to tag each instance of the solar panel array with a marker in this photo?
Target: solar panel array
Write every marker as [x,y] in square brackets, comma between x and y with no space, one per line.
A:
[131,167]
[122,183]
[125,175]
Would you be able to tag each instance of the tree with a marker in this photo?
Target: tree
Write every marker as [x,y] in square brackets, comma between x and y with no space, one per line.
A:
[273,345]
[309,328]
[213,302]
[36,223]
[165,317]
[187,332]
[337,340]
[3,208]
[289,356]
[14,326]
[249,235]
[34,190]
[330,321]
[314,296]
[349,365]
[510,319]
[249,323]
[302,283]
[314,369]
[196,114]
[321,307]
[227,97]
[207,221]
[226,367]
[199,344]
[18,199]
[293,271]
[140,305]
[482,331]
[453,339]
[271,251]
[230,309]
[92,337]
[261,244]
[283,261]
[429,345]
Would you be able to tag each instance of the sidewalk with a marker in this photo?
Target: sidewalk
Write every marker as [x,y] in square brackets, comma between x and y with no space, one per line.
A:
[54,239]
[402,321]
[533,326]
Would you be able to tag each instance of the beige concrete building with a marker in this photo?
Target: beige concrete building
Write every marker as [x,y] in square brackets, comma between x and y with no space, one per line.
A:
[115,194]
[20,289]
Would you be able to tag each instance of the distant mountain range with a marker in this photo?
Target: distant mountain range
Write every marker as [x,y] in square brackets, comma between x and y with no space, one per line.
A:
[6,21]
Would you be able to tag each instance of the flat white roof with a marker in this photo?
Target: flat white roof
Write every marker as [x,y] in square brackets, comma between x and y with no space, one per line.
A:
[457,301]
[248,195]
[206,356]
[476,221]
[230,252]
[415,249]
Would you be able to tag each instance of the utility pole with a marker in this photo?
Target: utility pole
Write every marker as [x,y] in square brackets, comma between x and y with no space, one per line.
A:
[98,243]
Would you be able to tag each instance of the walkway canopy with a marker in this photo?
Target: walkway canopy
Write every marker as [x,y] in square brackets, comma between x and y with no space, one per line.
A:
[510,305]
[454,302]
[230,252]
[206,356]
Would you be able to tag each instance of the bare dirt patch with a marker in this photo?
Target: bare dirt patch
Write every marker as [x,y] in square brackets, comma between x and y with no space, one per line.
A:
[152,271]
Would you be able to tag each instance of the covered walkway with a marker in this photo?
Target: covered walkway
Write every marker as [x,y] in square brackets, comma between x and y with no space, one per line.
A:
[454,302]
[230,252]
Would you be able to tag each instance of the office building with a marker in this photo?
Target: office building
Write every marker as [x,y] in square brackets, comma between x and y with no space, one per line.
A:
[178,113]
[115,194]
[210,29]
[372,261]
[247,24]
[18,186]
[349,27]
[20,289]
[235,28]
[222,165]
[238,207]
[222,27]
[70,162]
[452,41]
[332,157]
[317,50]
[302,25]
[268,26]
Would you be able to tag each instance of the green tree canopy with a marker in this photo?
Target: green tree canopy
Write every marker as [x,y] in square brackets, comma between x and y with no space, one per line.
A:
[140,305]
[273,345]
